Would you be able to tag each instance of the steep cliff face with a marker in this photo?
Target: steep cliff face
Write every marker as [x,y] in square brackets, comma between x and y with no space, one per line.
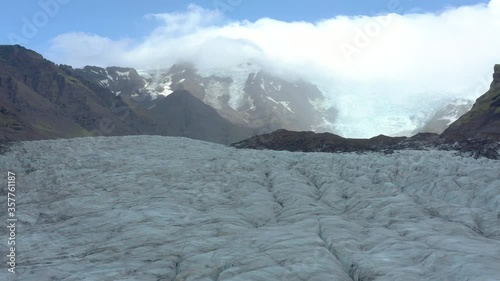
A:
[483,120]
[496,76]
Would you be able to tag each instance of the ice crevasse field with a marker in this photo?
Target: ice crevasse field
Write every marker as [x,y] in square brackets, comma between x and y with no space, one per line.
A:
[167,208]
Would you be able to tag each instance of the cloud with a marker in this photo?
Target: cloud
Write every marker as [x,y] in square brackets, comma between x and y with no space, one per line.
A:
[183,23]
[79,48]
[383,72]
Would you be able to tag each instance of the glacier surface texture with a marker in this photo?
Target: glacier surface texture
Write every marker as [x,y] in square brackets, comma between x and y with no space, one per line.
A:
[164,208]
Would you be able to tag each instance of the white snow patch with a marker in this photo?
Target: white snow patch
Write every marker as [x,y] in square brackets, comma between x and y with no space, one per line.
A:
[283,103]
[239,76]
[276,87]
[125,74]
[252,104]
[450,118]
[166,91]
[263,86]
[214,91]
[456,109]
[158,81]
[104,82]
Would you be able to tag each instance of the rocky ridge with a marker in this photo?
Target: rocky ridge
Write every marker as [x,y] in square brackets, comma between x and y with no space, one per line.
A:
[483,120]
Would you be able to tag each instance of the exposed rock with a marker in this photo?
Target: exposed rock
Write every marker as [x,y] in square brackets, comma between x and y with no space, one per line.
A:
[185,115]
[445,116]
[248,96]
[483,120]
[120,80]
[41,100]
[326,142]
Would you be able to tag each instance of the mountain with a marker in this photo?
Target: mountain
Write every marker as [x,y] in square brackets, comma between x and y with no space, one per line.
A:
[445,116]
[483,120]
[186,115]
[120,80]
[42,100]
[167,208]
[245,95]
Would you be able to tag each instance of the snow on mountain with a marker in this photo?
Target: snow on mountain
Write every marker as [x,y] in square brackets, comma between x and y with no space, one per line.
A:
[236,88]
[446,115]
[163,208]
[457,108]
[119,80]
[247,95]
[157,84]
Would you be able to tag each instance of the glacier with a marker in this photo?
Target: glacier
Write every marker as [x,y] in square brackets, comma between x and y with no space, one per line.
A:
[167,208]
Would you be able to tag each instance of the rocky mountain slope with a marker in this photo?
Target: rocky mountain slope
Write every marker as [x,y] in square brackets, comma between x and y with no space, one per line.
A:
[119,80]
[245,95]
[182,114]
[483,120]
[41,100]
[445,116]
[161,208]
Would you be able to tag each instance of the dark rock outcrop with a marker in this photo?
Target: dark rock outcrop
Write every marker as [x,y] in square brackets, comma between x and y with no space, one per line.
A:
[185,115]
[326,142]
[313,142]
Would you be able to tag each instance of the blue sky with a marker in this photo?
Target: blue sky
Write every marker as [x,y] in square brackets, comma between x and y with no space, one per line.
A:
[125,19]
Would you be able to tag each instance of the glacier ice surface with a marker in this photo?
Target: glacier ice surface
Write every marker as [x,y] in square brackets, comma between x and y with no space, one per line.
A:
[165,208]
